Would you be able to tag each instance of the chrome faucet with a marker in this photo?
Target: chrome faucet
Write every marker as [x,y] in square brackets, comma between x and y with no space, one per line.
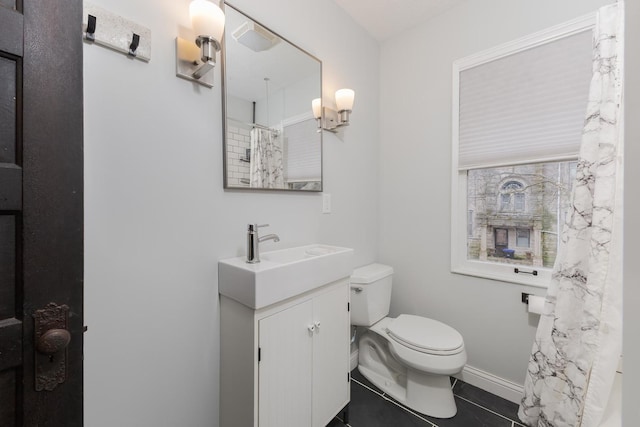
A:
[253,241]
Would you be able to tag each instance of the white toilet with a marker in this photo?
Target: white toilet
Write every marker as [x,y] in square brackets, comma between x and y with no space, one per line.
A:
[409,357]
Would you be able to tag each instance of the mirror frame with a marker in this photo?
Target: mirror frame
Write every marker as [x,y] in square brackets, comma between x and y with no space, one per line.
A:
[223,75]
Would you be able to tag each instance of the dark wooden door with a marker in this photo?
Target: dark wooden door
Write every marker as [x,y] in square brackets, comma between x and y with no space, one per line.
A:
[41,213]
[501,236]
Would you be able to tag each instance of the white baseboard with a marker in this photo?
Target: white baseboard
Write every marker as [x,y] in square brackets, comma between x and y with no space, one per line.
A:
[476,377]
[492,383]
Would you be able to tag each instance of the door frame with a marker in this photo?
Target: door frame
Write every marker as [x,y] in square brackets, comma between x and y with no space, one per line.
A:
[53,211]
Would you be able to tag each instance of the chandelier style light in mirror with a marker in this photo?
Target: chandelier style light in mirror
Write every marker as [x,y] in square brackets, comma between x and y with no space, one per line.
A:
[195,59]
[330,119]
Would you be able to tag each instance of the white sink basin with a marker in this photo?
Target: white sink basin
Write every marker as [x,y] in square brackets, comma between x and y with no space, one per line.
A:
[282,274]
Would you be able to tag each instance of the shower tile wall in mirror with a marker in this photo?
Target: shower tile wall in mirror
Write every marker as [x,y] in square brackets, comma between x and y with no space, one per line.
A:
[270,134]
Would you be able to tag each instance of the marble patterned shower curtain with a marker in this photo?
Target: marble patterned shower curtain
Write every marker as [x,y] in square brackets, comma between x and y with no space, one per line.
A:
[266,163]
[579,339]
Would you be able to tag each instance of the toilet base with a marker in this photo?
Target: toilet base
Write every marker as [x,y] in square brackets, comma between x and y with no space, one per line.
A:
[429,395]
[425,393]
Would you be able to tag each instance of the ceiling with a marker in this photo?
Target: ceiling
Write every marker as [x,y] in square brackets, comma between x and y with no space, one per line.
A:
[386,18]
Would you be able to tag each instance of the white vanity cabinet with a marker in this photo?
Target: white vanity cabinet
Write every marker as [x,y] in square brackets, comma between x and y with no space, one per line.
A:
[286,364]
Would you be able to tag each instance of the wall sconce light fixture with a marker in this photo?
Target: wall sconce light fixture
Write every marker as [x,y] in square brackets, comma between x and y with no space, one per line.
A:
[194,60]
[330,119]
[316,106]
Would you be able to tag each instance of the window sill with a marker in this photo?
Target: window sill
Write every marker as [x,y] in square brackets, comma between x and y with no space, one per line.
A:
[505,273]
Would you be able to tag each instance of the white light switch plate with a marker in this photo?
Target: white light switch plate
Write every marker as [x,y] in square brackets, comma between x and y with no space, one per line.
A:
[326,203]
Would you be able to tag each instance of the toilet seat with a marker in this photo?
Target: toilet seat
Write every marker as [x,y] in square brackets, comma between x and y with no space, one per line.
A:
[425,335]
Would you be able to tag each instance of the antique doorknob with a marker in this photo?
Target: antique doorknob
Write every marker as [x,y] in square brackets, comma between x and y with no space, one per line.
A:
[53,341]
[51,338]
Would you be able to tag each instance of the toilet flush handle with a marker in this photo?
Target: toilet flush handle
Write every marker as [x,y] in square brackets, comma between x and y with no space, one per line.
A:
[357,289]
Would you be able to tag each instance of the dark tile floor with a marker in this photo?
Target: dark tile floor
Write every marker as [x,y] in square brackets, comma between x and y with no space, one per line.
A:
[370,407]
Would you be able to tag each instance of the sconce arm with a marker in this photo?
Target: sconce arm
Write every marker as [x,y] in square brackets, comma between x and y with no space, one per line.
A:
[203,69]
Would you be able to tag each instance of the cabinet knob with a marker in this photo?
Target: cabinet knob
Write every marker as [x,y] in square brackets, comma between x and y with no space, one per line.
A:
[317,324]
[311,328]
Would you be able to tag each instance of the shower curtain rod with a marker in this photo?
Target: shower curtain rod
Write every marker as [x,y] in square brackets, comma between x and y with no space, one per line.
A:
[255,125]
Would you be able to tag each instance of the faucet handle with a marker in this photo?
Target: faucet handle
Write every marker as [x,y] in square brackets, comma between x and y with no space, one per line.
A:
[254,227]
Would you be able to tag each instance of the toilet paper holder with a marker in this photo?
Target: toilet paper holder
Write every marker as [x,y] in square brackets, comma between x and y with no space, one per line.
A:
[535,303]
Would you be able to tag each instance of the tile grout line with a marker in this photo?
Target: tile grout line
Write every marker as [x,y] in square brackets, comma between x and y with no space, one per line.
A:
[455,381]
[346,425]
[383,395]
[486,409]
[408,410]
[367,387]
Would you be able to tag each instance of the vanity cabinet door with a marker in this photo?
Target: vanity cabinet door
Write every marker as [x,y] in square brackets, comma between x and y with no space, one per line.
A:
[331,354]
[285,367]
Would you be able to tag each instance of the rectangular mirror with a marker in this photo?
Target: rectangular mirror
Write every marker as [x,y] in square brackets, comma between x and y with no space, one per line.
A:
[271,140]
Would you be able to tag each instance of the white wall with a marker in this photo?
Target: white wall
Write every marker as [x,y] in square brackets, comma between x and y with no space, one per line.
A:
[415,174]
[158,220]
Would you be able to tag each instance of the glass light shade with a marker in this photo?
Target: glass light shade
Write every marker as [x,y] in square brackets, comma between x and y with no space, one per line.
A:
[188,51]
[316,106]
[344,99]
[207,19]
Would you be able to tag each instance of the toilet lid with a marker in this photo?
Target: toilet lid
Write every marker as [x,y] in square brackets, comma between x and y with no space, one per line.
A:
[425,335]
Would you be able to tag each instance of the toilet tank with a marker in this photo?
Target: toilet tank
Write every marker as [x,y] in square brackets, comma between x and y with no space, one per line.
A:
[370,294]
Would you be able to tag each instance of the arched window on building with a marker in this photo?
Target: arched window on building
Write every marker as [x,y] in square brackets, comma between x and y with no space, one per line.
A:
[512,197]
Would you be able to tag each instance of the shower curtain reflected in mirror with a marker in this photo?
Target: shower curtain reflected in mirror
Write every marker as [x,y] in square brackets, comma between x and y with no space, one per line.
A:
[266,163]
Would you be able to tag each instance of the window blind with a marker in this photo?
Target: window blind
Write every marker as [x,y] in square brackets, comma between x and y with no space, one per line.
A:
[303,152]
[527,107]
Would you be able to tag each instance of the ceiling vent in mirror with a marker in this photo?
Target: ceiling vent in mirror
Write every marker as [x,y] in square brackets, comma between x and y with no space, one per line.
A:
[255,37]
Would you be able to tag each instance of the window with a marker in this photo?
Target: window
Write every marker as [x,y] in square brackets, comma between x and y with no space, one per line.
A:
[503,234]
[505,201]
[512,197]
[303,162]
[518,113]
[512,186]
[518,202]
[522,237]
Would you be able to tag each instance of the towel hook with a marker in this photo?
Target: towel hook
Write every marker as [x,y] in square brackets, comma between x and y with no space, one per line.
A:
[91,28]
[135,41]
